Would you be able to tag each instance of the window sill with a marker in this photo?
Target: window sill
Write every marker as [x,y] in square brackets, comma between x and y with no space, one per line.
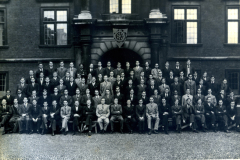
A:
[231,44]
[185,45]
[4,47]
[63,46]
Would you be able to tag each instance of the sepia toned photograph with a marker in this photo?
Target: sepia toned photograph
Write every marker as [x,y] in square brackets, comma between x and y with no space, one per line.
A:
[119,79]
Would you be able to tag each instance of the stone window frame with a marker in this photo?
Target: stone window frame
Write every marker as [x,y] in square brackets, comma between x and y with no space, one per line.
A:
[42,9]
[5,45]
[2,93]
[185,7]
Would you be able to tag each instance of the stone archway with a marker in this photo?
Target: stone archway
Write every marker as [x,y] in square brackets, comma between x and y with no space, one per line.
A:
[141,50]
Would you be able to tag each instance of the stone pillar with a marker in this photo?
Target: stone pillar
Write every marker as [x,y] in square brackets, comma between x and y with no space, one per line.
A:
[78,56]
[85,12]
[155,53]
[86,56]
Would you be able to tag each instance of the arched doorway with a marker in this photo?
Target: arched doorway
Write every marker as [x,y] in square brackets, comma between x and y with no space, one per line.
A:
[121,55]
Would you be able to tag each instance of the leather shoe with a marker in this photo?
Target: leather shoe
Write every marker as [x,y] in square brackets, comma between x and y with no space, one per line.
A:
[89,133]
[121,131]
[131,132]
[155,132]
[42,132]
[31,132]
[73,133]
[65,133]
[3,132]
[227,131]
[38,132]
[53,134]
[111,132]
[62,129]
[195,131]
[166,131]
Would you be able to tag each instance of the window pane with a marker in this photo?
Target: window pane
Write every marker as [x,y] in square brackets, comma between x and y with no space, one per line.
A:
[114,6]
[232,32]
[61,34]
[61,15]
[191,13]
[1,16]
[126,6]
[48,16]
[191,32]
[1,34]
[179,14]
[49,34]
[232,13]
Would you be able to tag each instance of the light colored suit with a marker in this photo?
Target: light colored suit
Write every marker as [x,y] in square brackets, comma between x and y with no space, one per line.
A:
[97,101]
[184,99]
[65,115]
[152,113]
[61,72]
[162,89]
[155,72]
[104,86]
[72,72]
[137,71]
[103,113]
[213,99]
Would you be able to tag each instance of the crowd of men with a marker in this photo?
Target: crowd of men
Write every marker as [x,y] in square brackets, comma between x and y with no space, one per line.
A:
[138,98]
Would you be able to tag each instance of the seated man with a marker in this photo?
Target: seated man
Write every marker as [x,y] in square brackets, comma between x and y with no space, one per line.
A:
[77,116]
[221,115]
[66,97]
[128,113]
[45,117]
[54,116]
[13,122]
[35,116]
[65,114]
[89,115]
[4,115]
[212,97]
[24,119]
[108,98]
[189,115]
[164,112]
[116,111]
[177,115]
[200,114]
[209,112]
[140,115]
[152,114]
[103,113]
[231,113]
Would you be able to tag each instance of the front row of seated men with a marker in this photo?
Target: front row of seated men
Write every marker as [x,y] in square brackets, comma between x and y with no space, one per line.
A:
[29,117]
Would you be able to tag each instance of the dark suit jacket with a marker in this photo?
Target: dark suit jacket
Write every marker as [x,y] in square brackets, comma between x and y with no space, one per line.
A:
[68,99]
[54,83]
[84,100]
[93,88]
[35,113]
[24,110]
[30,88]
[55,110]
[50,72]
[208,108]
[42,99]
[121,99]
[79,111]
[109,100]
[75,98]
[61,91]
[48,88]
[150,91]
[99,71]
[45,72]
[214,86]
[134,101]
[47,112]
[127,72]
[203,89]
[28,80]
[61,72]
[147,72]
[128,88]
[177,87]
[107,71]
[71,89]
[20,99]
[4,111]
[30,99]
[23,89]
[55,97]
[90,111]
[165,72]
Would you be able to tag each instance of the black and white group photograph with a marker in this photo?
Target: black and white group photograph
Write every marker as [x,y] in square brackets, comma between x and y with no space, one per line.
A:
[119,79]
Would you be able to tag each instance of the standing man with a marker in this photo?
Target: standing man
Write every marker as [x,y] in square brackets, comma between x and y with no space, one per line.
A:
[147,70]
[99,70]
[137,69]
[89,115]
[72,70]
[61,71]
[9,98]
[45,116]
[24,119]
[108,69]
[103,113]
[54,116]
[190,84]
[40,70]
[50,70]
[152,114]
[35,116]
[14,111]
[104,86]
[77,116]
[119,70]
[155,71]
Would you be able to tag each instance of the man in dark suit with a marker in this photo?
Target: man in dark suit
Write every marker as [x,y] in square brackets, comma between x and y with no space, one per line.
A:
[45,117]
[4,115]
[31,75]
[108,98]
[189,69]
[61,87]
[118,70]
[22,86]
[129,87]
[205,78]
[85,97]
[140,88]
[71,86]
[66,79]
[170,78]
[77,96]
[116,112]
[137,70]
[34,116]
[198,96]
[150,89]
[130,96]
[147,70]
[167,95]
[213,85]
[83,72]
[89,114]
[48,86]
[55,96]
[20,96]
[93,86]
[9,98]
[77,116]
[108,69]
[182,79]
[54,81]
[221,115]
[196,78]
[55,118]
[223,97]
[202,87]
[127,70]
[133,78]
[40,70]
[164,110]
[14,112]
[116,84]
[176,86]
[224,85]
[83,87]
[119,96]
[50,70]
[190,84]
[66,97]
[33,97]
[31,87]
[24,119]
[177,70]
[44,98]
[144,98]
[166,70]
[40,82]
[61,71]
[99,70]
[210,113]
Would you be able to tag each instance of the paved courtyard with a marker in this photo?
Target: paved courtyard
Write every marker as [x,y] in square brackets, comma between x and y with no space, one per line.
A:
[187,145]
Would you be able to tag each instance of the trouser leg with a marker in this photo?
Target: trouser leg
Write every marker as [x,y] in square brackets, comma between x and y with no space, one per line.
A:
[100,123]
[106,122]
